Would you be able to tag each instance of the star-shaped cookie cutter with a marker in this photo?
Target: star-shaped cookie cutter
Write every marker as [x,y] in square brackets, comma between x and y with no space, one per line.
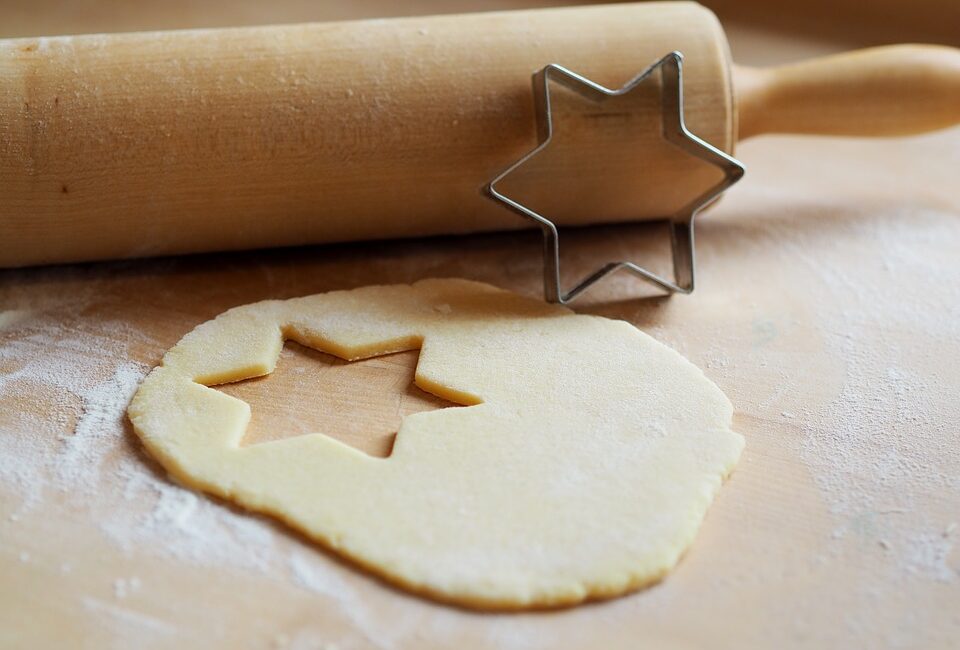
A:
[674,131]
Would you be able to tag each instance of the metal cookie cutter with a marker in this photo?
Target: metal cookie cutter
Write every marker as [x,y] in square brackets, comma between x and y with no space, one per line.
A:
[674,131]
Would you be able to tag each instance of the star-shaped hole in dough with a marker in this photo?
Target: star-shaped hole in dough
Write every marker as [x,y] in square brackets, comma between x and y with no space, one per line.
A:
[360,403]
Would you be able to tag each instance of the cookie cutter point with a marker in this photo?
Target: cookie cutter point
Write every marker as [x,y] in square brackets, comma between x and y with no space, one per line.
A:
[674,131]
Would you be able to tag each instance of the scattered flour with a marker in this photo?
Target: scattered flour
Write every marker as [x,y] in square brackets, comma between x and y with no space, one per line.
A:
[123,587]
[888,441]
[321,579]
[95,432]
[886,444]
[926,556]
[78,449]
[186,527]
[129,626]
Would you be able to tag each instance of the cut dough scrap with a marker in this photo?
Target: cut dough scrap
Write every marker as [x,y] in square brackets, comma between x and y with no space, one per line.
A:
[581,468]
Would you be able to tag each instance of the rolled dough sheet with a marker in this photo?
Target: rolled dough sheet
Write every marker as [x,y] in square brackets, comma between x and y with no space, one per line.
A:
[580,467]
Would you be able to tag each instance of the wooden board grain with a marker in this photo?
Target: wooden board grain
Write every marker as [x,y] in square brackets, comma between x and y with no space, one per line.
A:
[360,403]
[827,309]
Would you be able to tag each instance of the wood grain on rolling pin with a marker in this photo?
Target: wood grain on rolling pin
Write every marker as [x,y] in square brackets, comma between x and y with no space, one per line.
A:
[171,142]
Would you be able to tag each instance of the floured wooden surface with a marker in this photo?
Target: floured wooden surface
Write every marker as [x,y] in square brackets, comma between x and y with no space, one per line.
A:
[827,309]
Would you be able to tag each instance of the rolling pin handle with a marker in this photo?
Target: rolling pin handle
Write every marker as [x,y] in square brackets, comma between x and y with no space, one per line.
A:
[884,91]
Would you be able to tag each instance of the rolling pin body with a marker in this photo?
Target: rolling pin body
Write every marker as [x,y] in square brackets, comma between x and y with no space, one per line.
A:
[159,143]
[174,142]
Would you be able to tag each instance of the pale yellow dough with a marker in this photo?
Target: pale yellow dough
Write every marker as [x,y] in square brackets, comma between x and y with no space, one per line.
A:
[581,468]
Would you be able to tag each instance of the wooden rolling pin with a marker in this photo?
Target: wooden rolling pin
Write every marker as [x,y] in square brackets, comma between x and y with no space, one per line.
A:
[158,143]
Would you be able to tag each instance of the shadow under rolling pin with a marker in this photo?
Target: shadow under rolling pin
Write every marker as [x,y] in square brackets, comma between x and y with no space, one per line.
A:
[133,145]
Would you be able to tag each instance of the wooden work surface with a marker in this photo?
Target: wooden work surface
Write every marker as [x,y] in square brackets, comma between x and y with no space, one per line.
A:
[827,308]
